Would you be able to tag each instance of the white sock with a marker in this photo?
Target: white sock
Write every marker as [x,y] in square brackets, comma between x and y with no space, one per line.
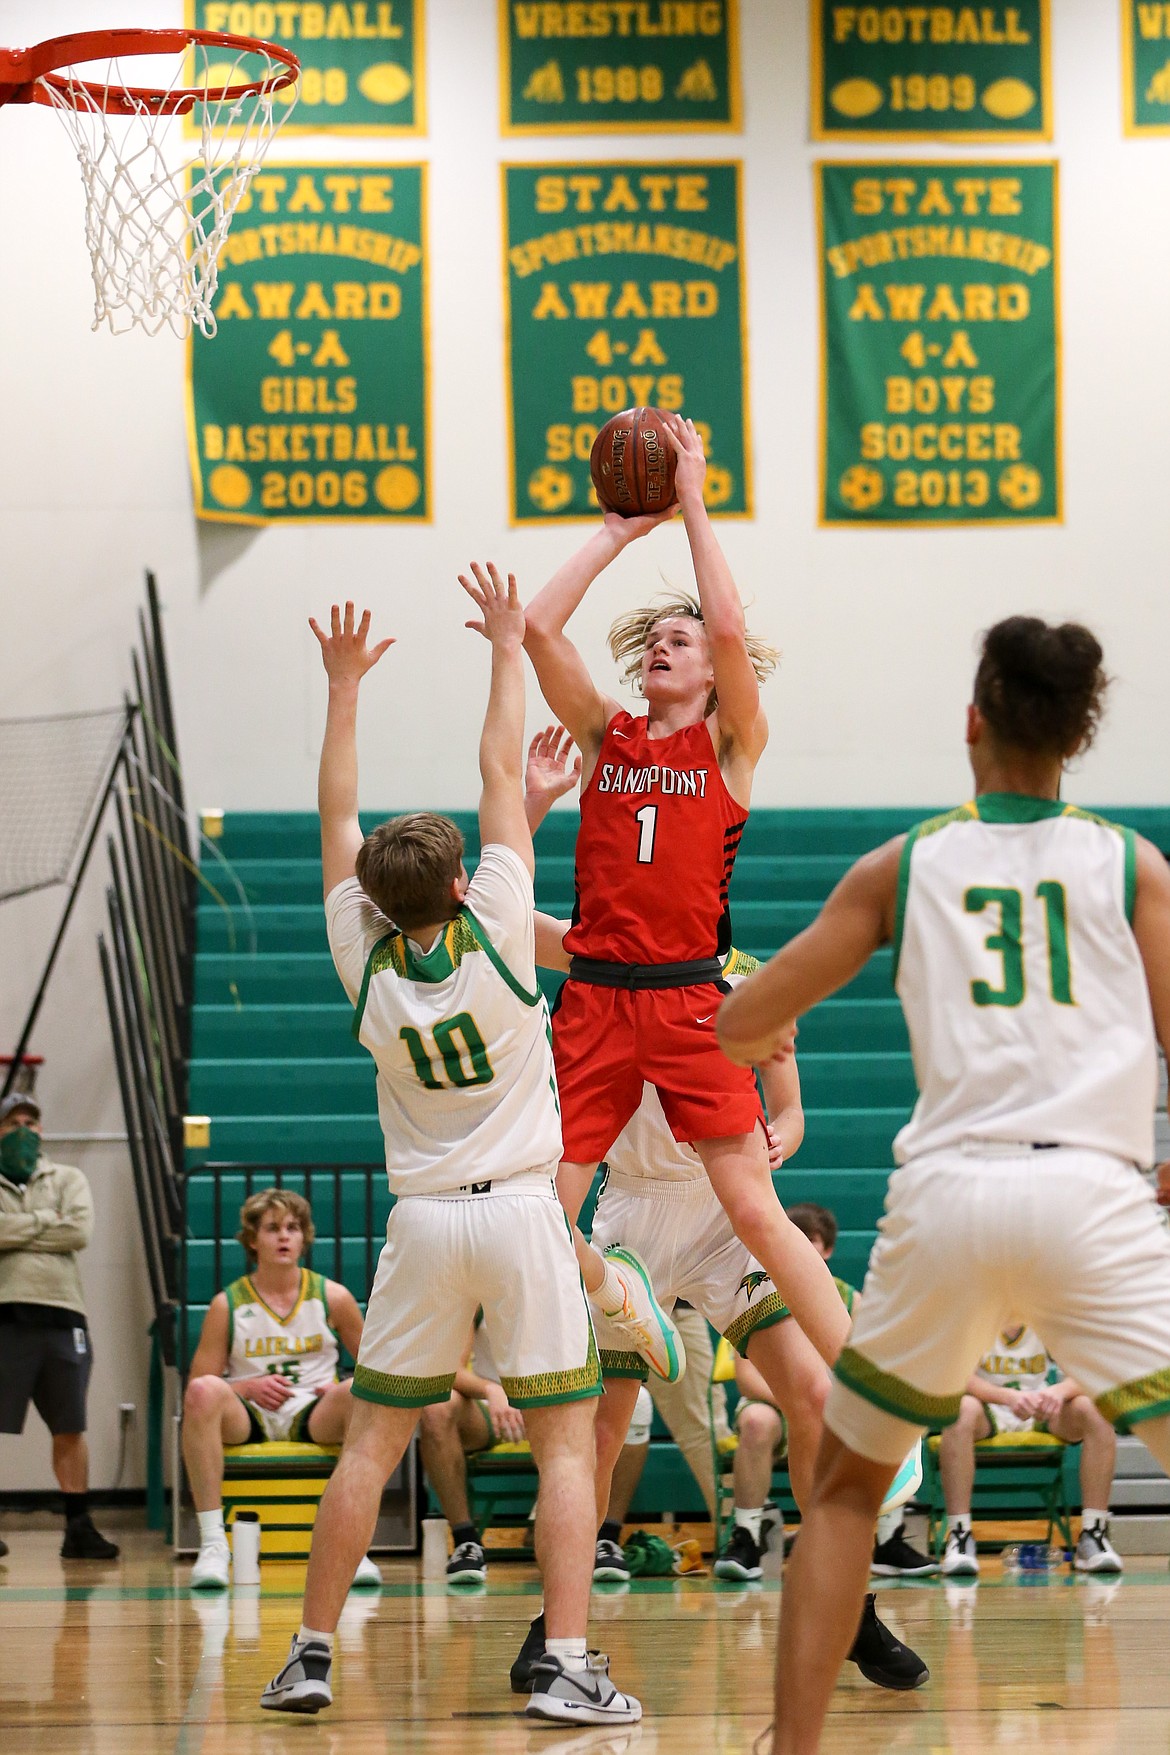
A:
[211,1527]
[888,1524]
[570,1653]
[1091,1519]
[750,1521]
[960,1520]
[610,1296]
[315,1635]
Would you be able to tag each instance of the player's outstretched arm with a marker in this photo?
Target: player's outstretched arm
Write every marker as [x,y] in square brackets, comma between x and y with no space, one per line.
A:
[856,919]
[560,669]
[347,657]
[780,1081]
[550,942]
[502,818]
[547,774]
[741,718]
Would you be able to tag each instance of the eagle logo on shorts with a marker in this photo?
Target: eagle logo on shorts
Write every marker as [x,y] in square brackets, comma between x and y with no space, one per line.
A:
[753,1281]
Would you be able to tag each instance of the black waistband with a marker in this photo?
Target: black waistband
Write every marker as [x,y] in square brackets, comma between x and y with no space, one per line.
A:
[645,975]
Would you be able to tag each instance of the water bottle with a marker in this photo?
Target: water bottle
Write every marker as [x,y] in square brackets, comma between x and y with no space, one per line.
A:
[434,1547]
[246,1547]
[1031,1560]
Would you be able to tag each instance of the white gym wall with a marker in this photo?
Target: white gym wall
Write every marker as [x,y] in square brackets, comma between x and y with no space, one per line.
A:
[878,627]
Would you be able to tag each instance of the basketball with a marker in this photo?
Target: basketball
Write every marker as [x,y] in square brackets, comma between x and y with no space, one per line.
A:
[632,463]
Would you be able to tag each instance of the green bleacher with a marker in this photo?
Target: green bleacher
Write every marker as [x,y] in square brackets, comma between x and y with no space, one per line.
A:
[276,1069]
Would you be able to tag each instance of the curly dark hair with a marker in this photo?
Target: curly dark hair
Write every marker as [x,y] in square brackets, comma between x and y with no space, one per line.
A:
[1041,688]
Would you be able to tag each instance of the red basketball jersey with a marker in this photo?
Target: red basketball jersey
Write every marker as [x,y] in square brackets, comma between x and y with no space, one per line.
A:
[658,838]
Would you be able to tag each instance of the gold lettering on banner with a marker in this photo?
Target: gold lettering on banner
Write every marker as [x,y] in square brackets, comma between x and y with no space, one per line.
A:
[929,24]
[618,18]
[292,19]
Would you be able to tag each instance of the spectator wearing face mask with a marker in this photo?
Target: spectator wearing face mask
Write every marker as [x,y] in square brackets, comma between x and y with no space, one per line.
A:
[46,1220]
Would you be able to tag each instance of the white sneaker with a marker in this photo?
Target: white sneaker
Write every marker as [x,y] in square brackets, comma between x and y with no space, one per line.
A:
[367,1576]
[213,1567]
[642,1319]
[960,1558]
[1095,1552]
[584,1697]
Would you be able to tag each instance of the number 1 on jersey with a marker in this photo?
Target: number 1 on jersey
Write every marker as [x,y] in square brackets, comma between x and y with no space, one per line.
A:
[648,818]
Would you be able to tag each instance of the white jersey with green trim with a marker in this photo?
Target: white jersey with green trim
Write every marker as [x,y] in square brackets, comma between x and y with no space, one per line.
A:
[460,1034]
[1018,1360]
[646,1147]
[301,1346]
[1020,977]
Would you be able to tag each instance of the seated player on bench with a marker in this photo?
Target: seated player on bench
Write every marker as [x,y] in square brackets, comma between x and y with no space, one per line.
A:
[1011,1392]
[266,1365]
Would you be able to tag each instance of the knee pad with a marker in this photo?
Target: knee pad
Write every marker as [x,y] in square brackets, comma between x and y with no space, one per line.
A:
[641,1418]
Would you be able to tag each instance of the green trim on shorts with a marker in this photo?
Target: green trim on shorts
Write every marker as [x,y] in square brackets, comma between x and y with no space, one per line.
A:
[400,1392]
[546,1388]
[624,1365]
[1145,1398]
[491,1431]
[766,1314]
[893,1394]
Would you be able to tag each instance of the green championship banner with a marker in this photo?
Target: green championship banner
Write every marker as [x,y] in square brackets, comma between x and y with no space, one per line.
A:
[310,404]
[361,60]
[625,286]
[937,72]
[1145,28]
[615,66]
[940,343]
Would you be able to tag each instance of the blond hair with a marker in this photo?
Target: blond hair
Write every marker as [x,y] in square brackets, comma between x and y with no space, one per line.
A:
[407,867]
[269,1200]
[629,637]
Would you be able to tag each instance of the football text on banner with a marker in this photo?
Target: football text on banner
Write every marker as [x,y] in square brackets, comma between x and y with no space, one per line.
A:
[617,66]
[311,402]
[1146,66]
[939,343]
[625,286]
[938,72]
[361,60]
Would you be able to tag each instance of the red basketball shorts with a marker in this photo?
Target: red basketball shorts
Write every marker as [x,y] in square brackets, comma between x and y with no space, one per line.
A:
[608,1041]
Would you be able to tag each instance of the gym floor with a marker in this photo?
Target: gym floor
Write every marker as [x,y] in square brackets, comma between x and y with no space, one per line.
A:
[123,1660]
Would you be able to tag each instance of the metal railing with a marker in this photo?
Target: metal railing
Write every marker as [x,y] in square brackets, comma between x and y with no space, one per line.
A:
[147,962]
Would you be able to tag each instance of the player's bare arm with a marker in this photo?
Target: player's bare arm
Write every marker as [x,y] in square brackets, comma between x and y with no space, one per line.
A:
[550,942]
[345,1316]
[1151,928]
[347,656]
[211,1355]
[855,921]
[547,774]
[780,1080]
[502,818]
[560,669]
[741,727]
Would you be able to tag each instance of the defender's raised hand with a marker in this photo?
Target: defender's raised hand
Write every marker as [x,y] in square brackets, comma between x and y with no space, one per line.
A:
[548,775]
[344,649]
[498,604]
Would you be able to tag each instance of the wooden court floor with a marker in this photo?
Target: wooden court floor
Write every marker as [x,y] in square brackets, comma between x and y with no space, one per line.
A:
[122,1660]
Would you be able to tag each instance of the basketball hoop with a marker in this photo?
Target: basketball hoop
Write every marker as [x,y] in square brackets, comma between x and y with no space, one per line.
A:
[154,230]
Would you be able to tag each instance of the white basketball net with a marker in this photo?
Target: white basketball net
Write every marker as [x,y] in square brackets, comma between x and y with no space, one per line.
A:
[154,229]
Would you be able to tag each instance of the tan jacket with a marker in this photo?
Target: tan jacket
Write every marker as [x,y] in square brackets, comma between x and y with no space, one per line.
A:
[42,1227]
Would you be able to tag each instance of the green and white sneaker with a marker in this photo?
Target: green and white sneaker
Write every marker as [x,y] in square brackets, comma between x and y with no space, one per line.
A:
[642,1319]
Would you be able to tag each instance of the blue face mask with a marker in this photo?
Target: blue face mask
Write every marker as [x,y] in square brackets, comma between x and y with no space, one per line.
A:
[19,1151]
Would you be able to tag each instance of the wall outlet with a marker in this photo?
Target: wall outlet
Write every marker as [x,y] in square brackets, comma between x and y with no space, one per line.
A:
[126,1413]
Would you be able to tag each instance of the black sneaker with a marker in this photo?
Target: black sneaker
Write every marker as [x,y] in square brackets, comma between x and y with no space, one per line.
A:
[740,1559]
[467,1565]
[897,1559]
[609,1563]
[883,1659]
[520,1675]
[84,1542]
[304,1683]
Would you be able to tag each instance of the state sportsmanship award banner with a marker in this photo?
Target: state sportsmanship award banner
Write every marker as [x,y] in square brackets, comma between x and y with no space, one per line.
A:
[624,287]
[940,343]
[618,65]
[1145,29]
[937,72]
[311,401]
[361,60]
